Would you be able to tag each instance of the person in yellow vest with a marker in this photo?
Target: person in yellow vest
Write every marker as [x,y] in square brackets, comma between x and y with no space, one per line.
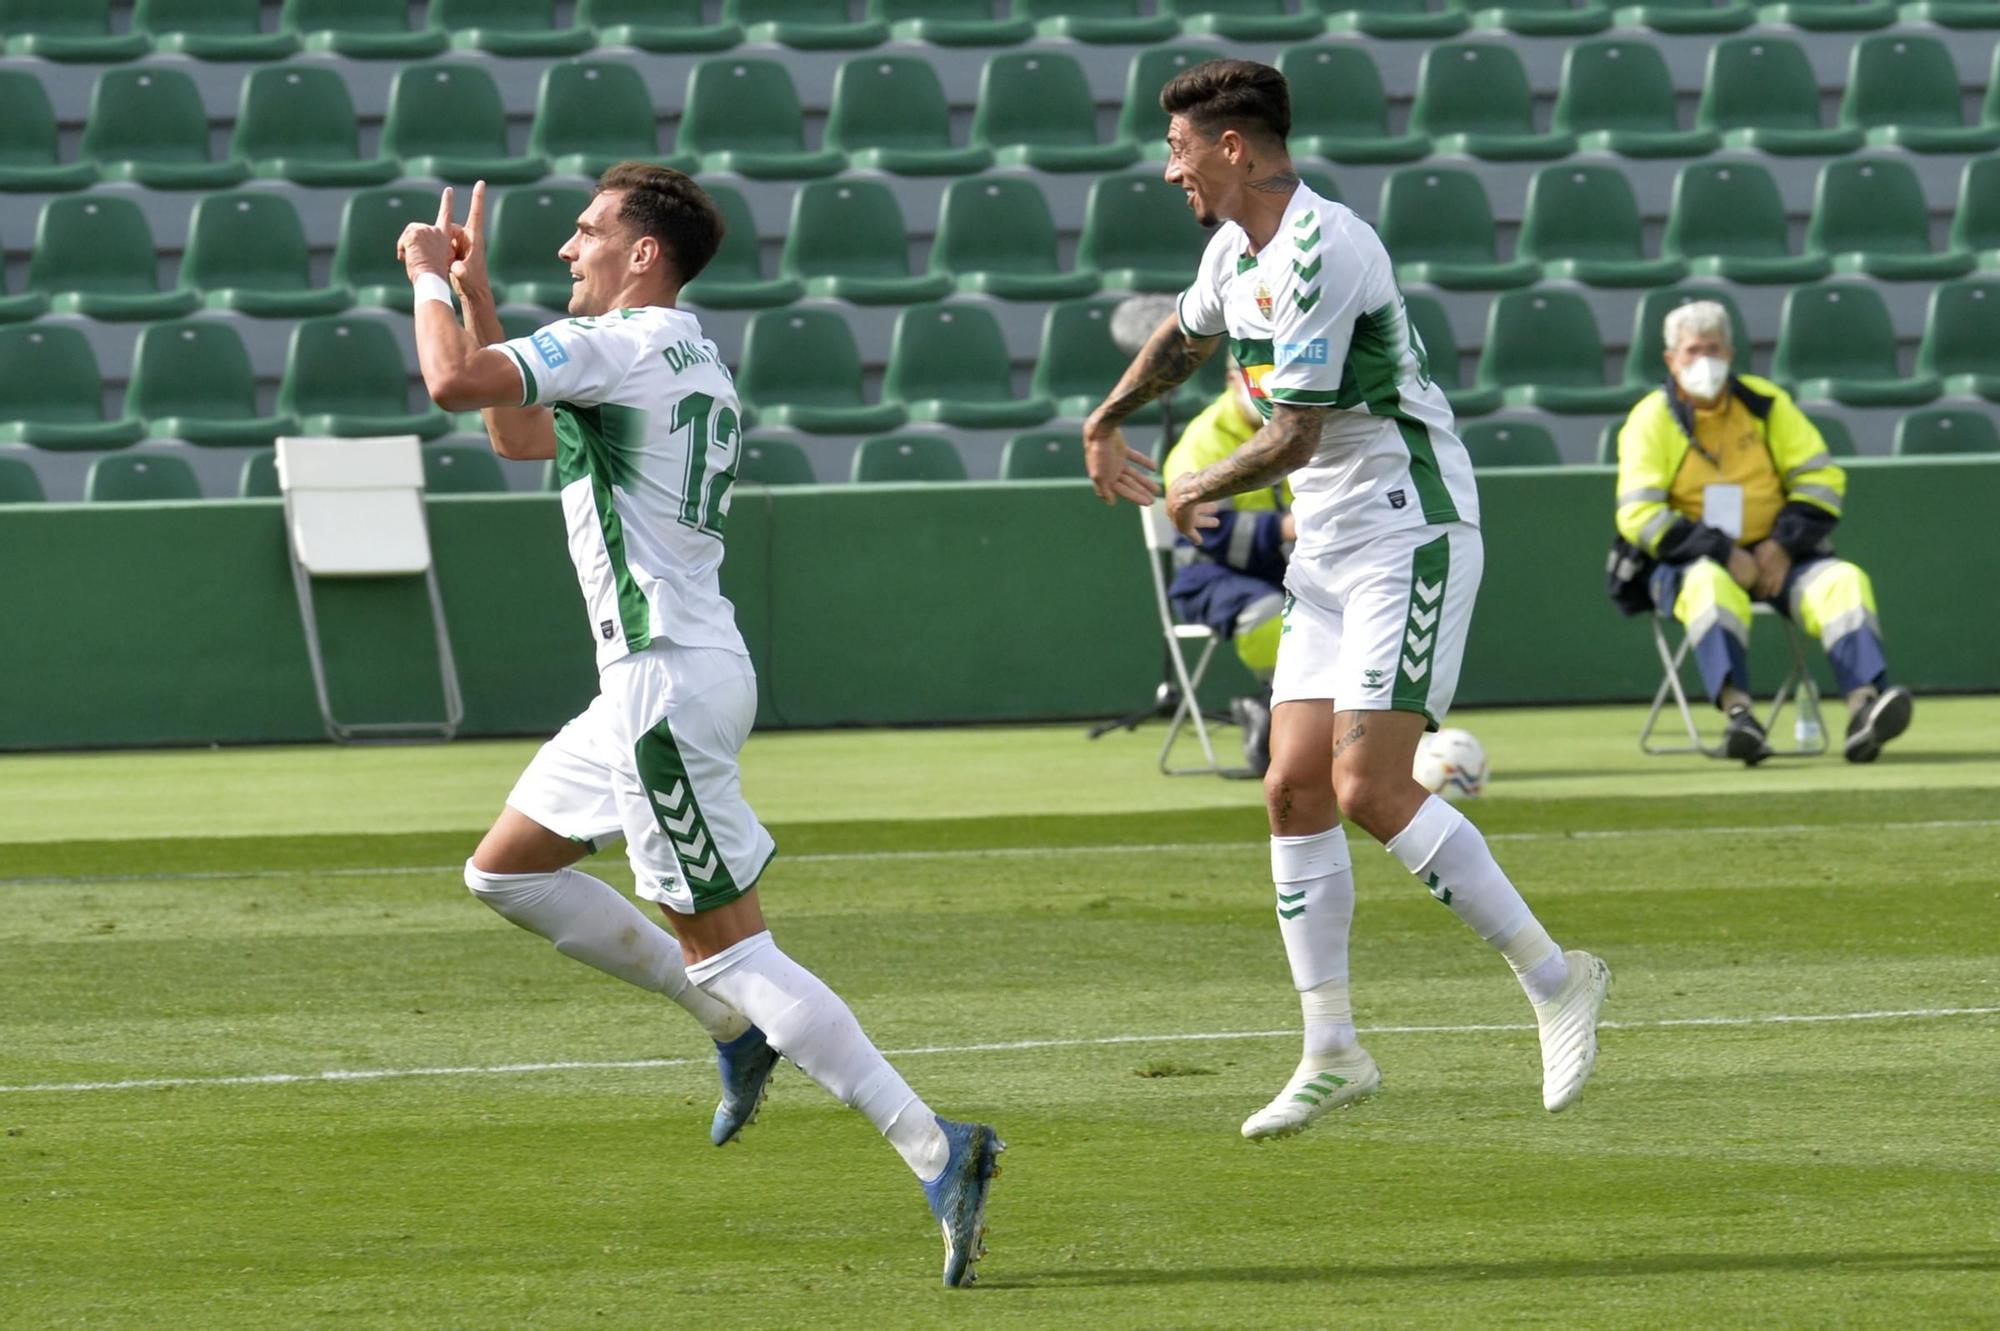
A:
[1725,482]
[1234,581]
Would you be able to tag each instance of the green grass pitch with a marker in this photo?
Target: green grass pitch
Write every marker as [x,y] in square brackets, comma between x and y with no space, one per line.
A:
[1057,940]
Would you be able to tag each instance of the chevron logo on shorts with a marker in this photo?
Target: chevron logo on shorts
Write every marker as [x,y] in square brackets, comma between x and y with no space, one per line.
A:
[1428,577]
[679,818]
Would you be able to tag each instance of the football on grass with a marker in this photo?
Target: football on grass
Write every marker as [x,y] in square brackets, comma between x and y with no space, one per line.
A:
[1452,764]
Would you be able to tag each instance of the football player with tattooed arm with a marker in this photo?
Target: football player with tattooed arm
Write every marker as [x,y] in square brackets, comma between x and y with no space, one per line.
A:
[1380,586]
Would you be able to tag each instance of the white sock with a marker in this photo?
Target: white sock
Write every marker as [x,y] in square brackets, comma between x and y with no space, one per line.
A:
[1444,850]
[1315,882]
[592,921]
[809,1024]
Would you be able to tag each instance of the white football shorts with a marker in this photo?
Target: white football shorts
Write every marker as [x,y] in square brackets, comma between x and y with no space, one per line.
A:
[653,759]
[1381,627]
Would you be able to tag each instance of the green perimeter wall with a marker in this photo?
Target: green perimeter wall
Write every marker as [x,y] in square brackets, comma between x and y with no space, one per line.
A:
[176,623]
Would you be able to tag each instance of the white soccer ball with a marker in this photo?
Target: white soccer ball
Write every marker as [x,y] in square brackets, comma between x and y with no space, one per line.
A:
[1451,763]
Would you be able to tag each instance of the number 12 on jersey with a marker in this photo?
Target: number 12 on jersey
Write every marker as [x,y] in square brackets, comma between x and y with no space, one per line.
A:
[713,436]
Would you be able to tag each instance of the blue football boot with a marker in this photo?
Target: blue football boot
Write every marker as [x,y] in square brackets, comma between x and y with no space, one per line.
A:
[958,1196]
[745,1064]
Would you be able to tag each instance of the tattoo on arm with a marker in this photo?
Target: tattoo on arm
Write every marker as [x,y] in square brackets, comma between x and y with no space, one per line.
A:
[1278,182]
[1286,443]
[1169,357]
[1349,740]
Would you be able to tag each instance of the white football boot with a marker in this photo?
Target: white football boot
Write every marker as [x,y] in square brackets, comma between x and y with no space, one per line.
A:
[1320,1084]
[1569,1029]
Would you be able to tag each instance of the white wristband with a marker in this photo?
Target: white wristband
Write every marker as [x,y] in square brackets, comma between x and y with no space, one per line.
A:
[432,287]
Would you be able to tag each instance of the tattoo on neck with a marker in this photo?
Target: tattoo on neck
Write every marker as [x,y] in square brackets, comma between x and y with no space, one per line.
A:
[1278,182]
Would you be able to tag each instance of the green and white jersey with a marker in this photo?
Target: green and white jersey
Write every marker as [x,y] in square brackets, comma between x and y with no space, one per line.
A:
[647,429]
[1316,319]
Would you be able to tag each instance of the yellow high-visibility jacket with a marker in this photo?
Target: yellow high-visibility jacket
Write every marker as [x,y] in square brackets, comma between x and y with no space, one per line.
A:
[1655,444]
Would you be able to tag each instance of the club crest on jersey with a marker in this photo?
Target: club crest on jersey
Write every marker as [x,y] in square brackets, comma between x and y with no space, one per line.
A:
[1263,300]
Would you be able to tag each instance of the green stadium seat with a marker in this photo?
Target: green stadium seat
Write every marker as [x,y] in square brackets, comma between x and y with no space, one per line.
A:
[1727,220]
[361,29]
[1393,20]
[131,479]
[1617,96]
[1833,431]
[347,377]
[14,308]
[52,393]
[950,22]
[1582,223]
[364,254]
[1139,234]
[805,25]
[1902,91]
[1043,455]
[1975,14]
[743,115]
[29,162]
[147,126]
[1680,17]
[211,29]
[1116,22]
[907,457]
[1760,92]
[800,368]
[949,363]
[1079,362]
[995,237]
[1438,227]
[1962,338]
[68,30]
[1869,216]
[247,252]
[296,122]
[529,225]
[847,241]
[259,477]
[191,380]
[734,278]
[1645,366]
[888,113]
[445,120]
[1510,444]
[1607,441]
[666,27]
[1339,110]
[19,483]
[1539,18]
[1543,350]
[765,460]
[94,255]
[1473,98]
[1830,15]
[1245,20]
[462,469]
[508,28]
[1432,328]
[1835,342]
[1141,122]
[1975,227]
[1035,109]
[1946,430]
[592,114]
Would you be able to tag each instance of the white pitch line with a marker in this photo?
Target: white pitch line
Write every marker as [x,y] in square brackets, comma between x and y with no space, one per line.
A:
[994,1047]
[1008,852]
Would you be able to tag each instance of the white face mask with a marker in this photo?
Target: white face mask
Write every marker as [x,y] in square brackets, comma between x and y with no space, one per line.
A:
[1703,379]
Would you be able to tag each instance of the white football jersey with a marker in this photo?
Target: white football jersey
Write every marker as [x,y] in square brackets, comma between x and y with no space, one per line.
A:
[1316,319]
[647,435]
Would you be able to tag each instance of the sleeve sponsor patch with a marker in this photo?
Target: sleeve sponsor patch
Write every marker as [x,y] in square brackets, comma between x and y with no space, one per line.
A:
[1301,353]
[549,349]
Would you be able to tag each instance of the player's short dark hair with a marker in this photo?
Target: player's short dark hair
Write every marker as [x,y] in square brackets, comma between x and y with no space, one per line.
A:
[668,206]
[1231,94]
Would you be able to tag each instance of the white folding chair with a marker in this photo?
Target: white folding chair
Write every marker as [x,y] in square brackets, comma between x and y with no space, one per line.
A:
[1179,637]
[1796,688]
[354,508]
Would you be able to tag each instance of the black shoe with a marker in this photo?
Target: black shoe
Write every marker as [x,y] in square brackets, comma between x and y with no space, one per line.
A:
[1878,723]
[1743,739]
[1254,715]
